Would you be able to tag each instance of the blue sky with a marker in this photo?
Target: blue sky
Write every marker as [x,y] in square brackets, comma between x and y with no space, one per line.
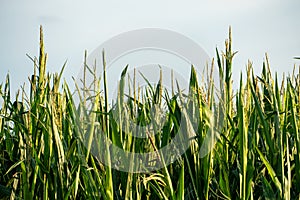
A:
[70,27]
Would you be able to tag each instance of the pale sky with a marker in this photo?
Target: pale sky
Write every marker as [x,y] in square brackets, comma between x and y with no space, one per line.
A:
[70,27]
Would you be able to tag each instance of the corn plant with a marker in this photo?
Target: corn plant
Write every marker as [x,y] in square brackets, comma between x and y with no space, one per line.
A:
[50,146]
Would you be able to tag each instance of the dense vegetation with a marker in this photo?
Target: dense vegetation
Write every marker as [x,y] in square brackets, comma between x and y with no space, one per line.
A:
[256,155]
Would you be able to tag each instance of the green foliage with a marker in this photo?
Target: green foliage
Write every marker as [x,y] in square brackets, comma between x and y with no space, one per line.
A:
[255,137]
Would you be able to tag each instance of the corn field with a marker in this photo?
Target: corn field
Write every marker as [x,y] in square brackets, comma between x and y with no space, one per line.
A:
[48,141]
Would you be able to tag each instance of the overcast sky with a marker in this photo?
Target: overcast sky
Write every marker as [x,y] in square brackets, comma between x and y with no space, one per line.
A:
[70,27]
